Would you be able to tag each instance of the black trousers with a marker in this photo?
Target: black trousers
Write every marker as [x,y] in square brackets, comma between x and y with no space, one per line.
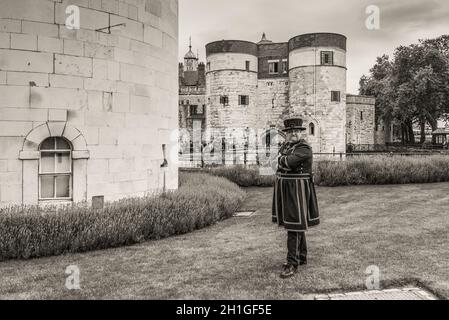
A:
[297,247]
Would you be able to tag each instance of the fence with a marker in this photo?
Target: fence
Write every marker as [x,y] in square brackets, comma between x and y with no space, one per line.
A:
[393,147]
[245,157]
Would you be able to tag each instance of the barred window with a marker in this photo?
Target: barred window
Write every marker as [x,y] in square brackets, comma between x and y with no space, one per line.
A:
[327,57]
[224,100]
[244,100]
[55,169]
[335,96]
[247,64]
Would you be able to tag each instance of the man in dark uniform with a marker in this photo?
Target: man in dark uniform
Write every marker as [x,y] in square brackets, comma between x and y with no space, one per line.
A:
[295,204]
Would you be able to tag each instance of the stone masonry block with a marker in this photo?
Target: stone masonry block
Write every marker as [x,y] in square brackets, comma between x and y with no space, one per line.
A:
[79,143]
[97,166]
[41,29]
[95,100]
[57,115]
[111,6]
[63,81]
[26,61]
[100,84]
[5,40]
[3,165]
[71,133]
[23,41]
[153,36]
[120,102]
[15,128]
[47,44]
[23,114]
[132,12]
[140,105]
[31,10]
[11,193]
[14,96]
[123,9]
[100,69]
[95,4]
[27,79]
[73,47]
[9,25]
[38,135]
[56,128]
[58,98]
[76,66]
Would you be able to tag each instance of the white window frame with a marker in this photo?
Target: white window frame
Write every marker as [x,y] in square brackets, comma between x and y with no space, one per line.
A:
[55,174]
[284,63]
[271,68]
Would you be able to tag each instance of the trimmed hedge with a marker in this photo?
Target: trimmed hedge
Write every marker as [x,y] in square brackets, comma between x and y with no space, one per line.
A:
[357,171]
[201,200]
[383,170]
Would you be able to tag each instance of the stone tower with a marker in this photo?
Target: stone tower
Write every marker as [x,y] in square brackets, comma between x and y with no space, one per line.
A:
[317,76]
[87,112]
[231,85]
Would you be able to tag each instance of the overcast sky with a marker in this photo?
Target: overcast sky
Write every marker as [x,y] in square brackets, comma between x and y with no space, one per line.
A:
[402,22]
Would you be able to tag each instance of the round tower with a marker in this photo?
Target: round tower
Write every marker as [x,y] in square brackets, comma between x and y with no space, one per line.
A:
[231,84]
[81,121]
[317,79]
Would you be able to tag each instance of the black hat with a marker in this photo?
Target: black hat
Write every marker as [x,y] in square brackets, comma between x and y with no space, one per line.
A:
[293,124]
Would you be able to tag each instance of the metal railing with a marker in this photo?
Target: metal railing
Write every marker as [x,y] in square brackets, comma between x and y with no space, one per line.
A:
[245,157]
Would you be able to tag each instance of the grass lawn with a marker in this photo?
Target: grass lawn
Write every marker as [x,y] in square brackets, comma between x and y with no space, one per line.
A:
[402,229]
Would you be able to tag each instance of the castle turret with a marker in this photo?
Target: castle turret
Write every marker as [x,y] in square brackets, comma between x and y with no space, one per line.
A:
[317,77]
[231,83]
[190,59]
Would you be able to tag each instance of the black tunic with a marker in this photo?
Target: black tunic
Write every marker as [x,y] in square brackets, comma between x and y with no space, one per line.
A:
[295,204]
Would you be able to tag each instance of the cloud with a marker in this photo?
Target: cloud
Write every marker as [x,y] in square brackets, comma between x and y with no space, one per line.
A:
[402,22]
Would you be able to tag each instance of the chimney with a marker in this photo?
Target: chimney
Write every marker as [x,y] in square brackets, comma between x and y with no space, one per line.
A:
[201,74]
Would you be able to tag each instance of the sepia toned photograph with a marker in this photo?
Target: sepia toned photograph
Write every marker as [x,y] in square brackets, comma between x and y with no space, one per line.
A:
[201,151]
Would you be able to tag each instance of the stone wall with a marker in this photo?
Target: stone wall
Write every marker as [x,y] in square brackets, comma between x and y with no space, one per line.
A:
[360,122]
[231,83]
[311,85]
[270,52]
[305,90]
[113,96]
[272,102]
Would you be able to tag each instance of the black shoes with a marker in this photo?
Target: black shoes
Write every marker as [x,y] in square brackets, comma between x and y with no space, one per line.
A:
[289,271]
[301,263]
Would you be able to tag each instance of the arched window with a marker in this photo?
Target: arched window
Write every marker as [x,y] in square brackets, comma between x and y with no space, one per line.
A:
[55,169]
[311,129]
